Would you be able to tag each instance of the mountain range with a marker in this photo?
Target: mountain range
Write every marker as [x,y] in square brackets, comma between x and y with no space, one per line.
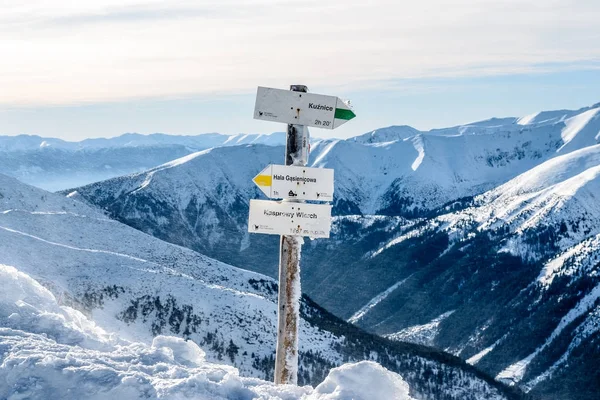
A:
[93,271]
[55,164]
[481,240]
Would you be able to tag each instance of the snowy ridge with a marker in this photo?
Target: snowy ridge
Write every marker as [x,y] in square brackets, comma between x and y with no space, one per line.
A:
[581,259]
[514,373]
[560,194]
[54,164]
[421,334]
[460,161]
[471,196]
[137,287]
[198,142]
[53,351]
[562,190]
[404,177]
[376,300]
[389,134]
[584,331]
[80,266]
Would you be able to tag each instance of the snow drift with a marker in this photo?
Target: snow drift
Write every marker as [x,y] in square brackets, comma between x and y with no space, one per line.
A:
[48,351]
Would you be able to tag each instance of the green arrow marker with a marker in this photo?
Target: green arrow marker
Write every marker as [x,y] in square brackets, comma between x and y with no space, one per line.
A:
[341,113]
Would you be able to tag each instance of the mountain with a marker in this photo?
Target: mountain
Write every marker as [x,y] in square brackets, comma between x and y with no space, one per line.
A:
[139,287]
[388,134]
[438,237]
[55,164]
[511,281]
[52,351]
[506,280]
[198,142]
[204,196]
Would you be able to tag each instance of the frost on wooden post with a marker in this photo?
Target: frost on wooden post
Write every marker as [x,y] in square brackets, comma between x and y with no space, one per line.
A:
[286,359]
[289,308]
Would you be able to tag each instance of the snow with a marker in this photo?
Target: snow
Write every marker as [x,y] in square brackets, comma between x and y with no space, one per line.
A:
[560,194]
[588,328]
[477,357]
[322,149]
[78,252]
[542,187]
[389,134]
[581,259]
[418,143]
[197,142]
[514,373]
[134,287]
[526,120]
[397,240]
[421,334]
[357,316]
[52,351]
[562,190]
[27,305]
[365,380]
[575,124]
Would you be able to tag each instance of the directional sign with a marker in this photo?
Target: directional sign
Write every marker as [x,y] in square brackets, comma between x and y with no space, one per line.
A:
[301,183]
[299,108]
[287,218]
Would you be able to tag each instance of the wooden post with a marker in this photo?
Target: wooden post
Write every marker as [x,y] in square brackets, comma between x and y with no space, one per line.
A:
[286,357]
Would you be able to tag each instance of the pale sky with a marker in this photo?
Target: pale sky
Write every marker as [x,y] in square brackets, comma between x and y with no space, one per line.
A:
[77,69]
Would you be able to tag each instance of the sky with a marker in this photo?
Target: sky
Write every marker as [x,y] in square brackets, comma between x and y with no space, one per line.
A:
[79,69]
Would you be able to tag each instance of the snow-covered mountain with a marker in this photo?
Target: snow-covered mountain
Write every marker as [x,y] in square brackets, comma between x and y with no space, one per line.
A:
[55,164]
[474,163]
[518,274]
[52,351]
[137,287]
[440,237]
[204,196]
[198,142]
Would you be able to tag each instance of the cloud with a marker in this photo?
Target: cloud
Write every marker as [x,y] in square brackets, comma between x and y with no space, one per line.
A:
[59,52]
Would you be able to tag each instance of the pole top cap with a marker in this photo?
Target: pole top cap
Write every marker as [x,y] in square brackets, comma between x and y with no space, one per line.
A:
[299,88]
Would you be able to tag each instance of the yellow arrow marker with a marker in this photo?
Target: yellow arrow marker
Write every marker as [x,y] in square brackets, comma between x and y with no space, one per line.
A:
[263,180]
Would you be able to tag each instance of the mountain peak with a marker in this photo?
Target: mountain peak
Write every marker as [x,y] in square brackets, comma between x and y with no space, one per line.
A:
[388,134]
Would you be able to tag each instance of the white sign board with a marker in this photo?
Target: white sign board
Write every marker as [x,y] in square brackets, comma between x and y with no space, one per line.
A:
[291,182]
[287,218]
[299,108]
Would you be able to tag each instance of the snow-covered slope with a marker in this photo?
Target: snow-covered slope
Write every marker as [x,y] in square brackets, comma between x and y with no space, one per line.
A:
[204,196]
[388,134]
[561,195]
[418,173]
[408,171]
[541,232]
[50,351]
[496,221]
[139,287]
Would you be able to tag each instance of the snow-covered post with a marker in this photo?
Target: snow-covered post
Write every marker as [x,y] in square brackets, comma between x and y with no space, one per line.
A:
[294,183]
[286,358]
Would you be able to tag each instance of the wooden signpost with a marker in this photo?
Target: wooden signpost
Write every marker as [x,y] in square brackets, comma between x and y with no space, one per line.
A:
[291,217]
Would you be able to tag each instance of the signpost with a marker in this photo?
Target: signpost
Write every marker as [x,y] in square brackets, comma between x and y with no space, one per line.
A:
[291,107]
[292,218]
[300,183]
[287,218]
